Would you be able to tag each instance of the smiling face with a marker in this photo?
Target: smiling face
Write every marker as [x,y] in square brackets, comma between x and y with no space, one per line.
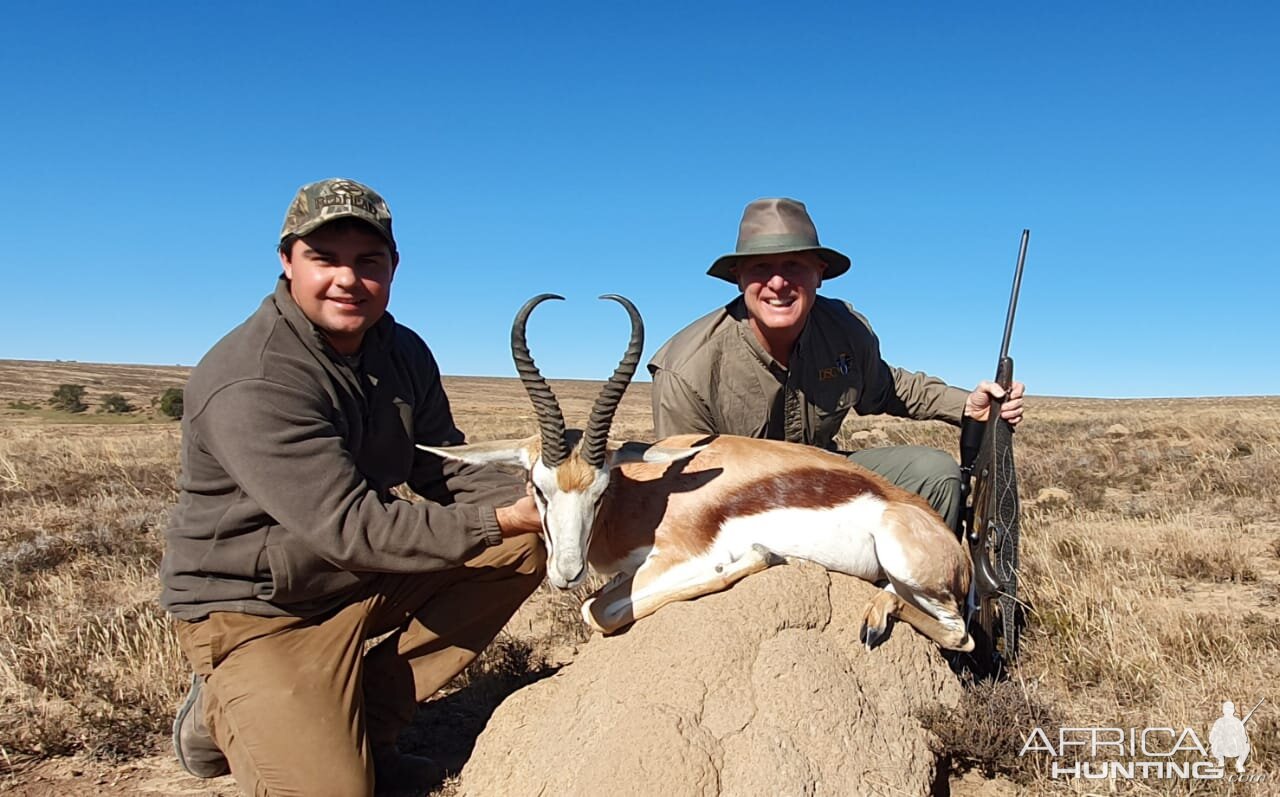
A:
[780,291]
[340,276]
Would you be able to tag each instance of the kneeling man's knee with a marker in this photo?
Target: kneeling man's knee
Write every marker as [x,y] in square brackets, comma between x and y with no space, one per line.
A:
[937,465]
[531,555]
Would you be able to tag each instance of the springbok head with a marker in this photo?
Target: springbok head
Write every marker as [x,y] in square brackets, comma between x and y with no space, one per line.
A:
[568,469]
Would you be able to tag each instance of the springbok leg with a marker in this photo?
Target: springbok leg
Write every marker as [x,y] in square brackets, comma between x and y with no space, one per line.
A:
[928,571]
[875,623]
[660,582]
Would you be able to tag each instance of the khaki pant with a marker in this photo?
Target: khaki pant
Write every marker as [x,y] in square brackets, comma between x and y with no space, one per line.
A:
[928,472]
[296,705]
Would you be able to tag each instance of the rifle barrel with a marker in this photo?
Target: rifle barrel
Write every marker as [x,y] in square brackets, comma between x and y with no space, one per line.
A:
[1250,714]
[1013,296]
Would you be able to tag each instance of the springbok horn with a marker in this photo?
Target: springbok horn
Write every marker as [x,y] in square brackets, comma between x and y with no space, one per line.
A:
[596,436]
[550,419]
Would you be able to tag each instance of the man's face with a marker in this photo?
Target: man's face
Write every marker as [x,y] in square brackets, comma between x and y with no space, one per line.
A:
[780,289]
[341,278]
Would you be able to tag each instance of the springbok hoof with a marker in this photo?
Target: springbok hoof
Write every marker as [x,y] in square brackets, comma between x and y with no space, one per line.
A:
[873,635]
[607,615]
[767,556]
[588,616]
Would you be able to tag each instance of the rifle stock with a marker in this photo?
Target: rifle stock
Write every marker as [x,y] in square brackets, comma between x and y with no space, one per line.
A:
[990,523]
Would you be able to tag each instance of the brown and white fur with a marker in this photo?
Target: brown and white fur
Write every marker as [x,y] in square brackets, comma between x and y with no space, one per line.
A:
[691,515]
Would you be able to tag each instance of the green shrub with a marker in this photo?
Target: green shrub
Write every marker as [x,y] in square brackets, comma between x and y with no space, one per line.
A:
[69,398]
[171,403]
[115,403]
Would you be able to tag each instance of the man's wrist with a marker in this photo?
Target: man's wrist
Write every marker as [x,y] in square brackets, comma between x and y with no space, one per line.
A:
[490,527]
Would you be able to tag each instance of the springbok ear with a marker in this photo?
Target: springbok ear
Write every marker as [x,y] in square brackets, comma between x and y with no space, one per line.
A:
[645,452]
[494,452]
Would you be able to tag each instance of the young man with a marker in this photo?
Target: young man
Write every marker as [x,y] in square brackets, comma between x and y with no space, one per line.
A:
[782,362]
[288,550]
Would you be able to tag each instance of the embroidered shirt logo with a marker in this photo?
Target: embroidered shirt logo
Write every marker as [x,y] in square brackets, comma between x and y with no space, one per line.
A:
[844,363]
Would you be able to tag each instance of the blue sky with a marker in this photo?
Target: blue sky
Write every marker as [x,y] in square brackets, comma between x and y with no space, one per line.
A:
[150,150]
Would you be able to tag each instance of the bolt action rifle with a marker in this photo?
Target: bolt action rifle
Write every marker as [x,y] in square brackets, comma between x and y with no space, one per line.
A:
[989,516]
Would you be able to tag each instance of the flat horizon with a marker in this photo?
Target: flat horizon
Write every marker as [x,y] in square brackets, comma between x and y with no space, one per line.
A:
[644,379]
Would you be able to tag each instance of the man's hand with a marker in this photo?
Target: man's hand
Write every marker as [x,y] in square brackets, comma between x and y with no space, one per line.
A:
[519,518]
[978,405]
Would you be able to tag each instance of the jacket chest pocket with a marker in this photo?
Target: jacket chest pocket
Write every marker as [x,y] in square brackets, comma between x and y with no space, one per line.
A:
[828,407]
[835,396]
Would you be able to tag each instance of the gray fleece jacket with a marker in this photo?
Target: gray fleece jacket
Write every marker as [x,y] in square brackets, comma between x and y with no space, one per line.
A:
[289,453]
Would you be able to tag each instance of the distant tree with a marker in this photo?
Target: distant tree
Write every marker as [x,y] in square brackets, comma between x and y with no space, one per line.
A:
[115,403]
[171,402]
[69,398]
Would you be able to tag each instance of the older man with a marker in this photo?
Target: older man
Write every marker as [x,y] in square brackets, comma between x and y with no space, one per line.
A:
[782,362]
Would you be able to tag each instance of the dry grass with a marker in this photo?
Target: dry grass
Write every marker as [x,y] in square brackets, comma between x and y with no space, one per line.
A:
[87,660]
[1151,563]
[975,735]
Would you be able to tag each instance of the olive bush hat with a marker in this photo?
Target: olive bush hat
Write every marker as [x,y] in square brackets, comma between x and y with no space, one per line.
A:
[775,225]
[323,201]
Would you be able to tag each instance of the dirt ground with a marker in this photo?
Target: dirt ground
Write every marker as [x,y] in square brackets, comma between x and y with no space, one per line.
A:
[154,775]
[160,775]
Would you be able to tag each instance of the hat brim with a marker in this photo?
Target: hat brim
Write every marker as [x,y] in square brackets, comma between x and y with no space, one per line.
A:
[837,263]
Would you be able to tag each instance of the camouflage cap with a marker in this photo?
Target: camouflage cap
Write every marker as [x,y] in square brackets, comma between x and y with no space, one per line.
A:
[324,201]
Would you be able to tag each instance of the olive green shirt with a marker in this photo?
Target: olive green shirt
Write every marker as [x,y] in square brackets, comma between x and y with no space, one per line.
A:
[715,377]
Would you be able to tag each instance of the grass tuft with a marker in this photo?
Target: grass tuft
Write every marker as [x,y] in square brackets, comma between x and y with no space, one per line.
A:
[986,731]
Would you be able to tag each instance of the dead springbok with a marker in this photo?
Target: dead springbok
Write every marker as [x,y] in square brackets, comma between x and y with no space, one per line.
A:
[691,515]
